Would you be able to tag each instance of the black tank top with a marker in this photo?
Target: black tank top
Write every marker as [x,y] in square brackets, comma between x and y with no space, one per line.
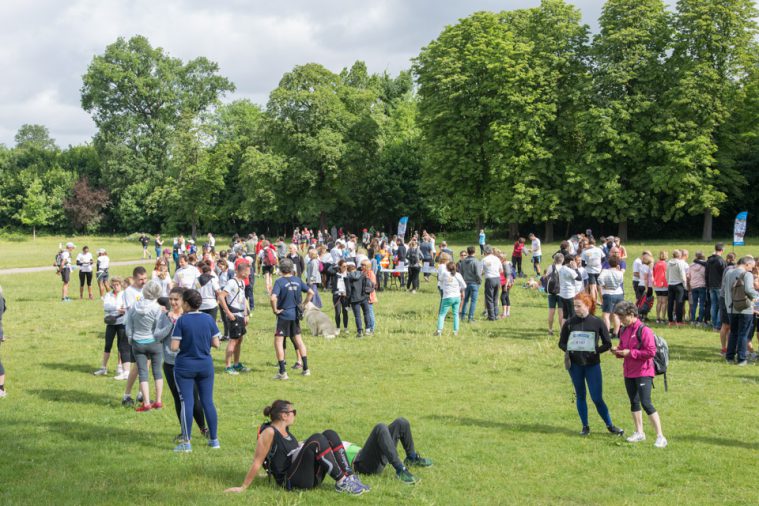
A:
[278,459]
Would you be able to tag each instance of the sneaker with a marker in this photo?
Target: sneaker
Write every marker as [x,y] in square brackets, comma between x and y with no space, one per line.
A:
[240,367]
[369,332]
[231,370]
[406,477]
[359,334]
[157,405]
[183,447]
[144,407]
[297,365]
[139,397]
[585,431]
[127,402]
[637,437]
[122,377]
[2,394]
[281,376]
[661,442]
[179,438]
[214,444]
[742,363]
[615,430]
[101,372]
[204,432]
[119,371]
[306,372]
[438,333]
[349,486]
[417,461]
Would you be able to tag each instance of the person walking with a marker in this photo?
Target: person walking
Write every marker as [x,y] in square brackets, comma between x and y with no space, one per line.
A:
[584,337]
[637,348]
[471,272]
[491,271]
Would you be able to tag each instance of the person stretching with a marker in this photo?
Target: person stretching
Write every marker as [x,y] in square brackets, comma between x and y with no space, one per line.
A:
[299,466]
[583,338]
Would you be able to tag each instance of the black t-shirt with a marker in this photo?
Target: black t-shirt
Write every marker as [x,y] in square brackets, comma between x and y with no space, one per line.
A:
[144,240]
[576,328]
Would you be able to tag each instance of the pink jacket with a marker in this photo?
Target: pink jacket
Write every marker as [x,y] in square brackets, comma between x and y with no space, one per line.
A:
[639,363]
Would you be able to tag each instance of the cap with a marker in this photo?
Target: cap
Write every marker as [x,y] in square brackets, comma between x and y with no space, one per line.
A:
[101,250]
[70,245]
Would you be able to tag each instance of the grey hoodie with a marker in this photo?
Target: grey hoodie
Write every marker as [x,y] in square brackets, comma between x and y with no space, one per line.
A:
[141,321]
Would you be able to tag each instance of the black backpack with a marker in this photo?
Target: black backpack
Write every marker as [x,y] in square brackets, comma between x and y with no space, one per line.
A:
[553,284]
[413,257]
[661,357]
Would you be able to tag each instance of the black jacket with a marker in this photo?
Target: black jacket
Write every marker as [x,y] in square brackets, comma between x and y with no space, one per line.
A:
[356,284]
[589,324]
[715,268]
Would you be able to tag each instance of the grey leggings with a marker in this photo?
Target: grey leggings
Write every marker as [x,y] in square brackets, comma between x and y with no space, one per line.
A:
[143,353]
[380,447]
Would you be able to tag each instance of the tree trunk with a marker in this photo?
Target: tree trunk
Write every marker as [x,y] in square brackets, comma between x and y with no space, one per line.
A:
[514,230]
[194,230]
[34,233]
[322,220]
[707,232]
[568,229]
[548,236]
[622,230]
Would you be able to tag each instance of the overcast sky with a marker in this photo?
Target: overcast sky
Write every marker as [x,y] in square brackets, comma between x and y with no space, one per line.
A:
[46,45]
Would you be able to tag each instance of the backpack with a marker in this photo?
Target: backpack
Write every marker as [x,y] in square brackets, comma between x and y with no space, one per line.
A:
[645,303]
[269,258]
[368,286]
[413,257]
[661,357]
[58,262]
[553,284]
[739,300]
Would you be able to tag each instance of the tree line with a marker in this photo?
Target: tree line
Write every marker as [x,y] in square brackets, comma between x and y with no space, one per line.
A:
[506,119]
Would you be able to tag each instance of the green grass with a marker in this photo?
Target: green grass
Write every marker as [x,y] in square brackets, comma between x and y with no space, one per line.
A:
[493,407]
[42,251]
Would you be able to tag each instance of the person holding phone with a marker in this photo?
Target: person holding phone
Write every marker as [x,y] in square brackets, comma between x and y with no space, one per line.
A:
[583,338]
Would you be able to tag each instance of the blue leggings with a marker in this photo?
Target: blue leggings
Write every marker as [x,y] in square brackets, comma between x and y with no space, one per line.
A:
[186,379]
[592,374]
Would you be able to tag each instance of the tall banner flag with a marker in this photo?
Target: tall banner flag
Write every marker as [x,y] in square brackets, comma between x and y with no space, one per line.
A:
[402,226]
[739,231]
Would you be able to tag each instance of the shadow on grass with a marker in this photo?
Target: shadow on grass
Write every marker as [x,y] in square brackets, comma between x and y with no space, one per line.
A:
[695,353]
[719,441]
[75,396]
[537,428]
[85,368]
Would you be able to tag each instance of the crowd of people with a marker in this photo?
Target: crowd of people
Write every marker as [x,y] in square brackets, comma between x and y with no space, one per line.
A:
[165,322]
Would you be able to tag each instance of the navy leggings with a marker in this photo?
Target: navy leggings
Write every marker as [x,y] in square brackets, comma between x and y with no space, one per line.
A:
[198,374]
[591,374]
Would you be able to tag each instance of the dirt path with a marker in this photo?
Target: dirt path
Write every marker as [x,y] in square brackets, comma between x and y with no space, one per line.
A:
[24,270]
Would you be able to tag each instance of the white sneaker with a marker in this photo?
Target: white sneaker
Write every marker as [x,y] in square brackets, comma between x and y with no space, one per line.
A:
[661,442]
[636,437]
[2,394]
[101,372]
[306,372]
[281,376]
[122,377]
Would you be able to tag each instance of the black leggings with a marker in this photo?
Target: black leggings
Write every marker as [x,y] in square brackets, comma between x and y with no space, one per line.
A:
[341,306]
[122,344]
[197,410]
[517,262]
[413,278]
[505,300]
[83,276]
[380,447]
[639,392]
[322,454]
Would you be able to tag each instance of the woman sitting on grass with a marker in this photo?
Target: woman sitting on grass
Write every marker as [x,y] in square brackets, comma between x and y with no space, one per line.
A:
[584,337]
[299,466]
[141,322]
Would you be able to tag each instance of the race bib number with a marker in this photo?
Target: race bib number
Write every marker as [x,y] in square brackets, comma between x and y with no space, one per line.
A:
[582,341]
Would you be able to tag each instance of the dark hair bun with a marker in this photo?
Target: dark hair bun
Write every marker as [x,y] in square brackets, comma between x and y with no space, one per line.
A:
[267,410]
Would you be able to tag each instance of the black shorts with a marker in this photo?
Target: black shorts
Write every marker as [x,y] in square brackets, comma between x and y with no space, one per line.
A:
[592,279]
[267,269]
[724,316]
[287,328]
[662,292]
[65,275]
[237,327]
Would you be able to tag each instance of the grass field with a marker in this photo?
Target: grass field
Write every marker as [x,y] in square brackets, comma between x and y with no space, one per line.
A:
[492,407]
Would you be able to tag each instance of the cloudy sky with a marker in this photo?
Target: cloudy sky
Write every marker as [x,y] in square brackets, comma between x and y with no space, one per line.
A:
[46,45]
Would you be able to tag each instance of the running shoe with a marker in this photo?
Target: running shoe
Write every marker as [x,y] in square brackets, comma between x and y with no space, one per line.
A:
[438,333]
[231,370]
[101,372]
[2,394]
[122,376]
[139,397]
[406,477]
[297,365]
[356,479]
[183,447]
[144,407]
[417,461]
[281,376]
[349,486]
[214,444]
[637,437]
[127,402]
[661,442]
[240,367]
[743,363]
[157,405]
[615,430]
[306,372]
[585,431]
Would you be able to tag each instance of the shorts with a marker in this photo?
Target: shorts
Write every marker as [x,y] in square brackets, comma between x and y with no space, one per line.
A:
[287,328]
[536,258]
[661,292]
[609,301]
[592,279]
[724,316]
[553,301]
[267,269]
[65,275]
[103,275]
[237,327]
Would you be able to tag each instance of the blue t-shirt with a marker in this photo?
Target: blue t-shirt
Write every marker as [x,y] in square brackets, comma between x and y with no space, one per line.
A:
[194,331]
[482,238]
[288,291]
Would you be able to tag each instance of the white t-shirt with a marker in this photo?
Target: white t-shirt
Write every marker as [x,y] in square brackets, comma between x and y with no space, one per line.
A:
[111,305]
[235,290]
[131,295]
[491,267]
[66,259]
[451,284]
[612,281]
[536,251]
[636,269]
[103,263]
[84,261]
[165,283]
[593,258]
[567,282]
[186,276]
[646,275]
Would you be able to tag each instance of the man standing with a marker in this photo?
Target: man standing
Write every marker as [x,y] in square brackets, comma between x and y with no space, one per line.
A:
[482,242]
[471,271]
[593,258]
[65,266]
[232,302]
[491,270]
[144,240]
[286,303]
[132,294]
[715,268]
[537,253]
[187,274]
[740,310]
